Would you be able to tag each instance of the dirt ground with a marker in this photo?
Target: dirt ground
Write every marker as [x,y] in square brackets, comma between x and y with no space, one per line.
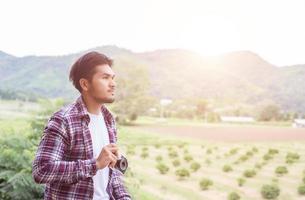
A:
[230,133]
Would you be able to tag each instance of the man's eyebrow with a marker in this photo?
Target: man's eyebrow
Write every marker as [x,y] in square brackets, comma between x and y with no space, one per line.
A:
[106,74]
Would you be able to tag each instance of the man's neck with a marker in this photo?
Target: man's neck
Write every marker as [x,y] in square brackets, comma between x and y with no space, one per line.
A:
[92,106]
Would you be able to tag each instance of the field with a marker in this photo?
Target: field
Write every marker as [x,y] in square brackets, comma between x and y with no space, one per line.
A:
[219,153]
[224,153]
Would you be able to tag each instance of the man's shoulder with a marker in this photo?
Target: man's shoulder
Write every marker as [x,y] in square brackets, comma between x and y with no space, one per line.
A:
[67,112]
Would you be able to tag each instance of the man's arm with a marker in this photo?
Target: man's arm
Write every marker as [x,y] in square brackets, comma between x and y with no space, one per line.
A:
[119,190]
[48,165]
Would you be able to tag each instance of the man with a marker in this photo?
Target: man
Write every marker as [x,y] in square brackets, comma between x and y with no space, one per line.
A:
[77,152]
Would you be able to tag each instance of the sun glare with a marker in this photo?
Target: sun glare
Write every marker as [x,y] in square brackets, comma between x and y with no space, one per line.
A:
[211,35]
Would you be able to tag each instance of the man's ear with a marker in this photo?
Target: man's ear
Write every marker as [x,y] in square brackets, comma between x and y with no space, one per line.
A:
[84,84]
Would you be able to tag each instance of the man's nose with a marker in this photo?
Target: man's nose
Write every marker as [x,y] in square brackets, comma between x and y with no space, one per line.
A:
[113,84]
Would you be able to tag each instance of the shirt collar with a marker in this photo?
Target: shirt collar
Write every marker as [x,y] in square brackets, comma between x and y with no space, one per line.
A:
[83,112]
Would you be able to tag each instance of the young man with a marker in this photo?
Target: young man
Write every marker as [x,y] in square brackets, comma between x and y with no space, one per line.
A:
[77,152]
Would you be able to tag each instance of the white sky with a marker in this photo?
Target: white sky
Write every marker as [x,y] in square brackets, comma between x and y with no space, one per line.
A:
[275,29]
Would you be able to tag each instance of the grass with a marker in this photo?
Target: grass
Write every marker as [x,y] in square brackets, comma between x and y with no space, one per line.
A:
[223,182]
[145,182]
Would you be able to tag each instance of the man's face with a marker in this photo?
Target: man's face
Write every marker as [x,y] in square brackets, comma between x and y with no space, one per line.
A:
[102,86]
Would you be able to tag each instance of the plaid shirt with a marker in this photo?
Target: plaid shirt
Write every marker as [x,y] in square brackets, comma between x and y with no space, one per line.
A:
[64,160]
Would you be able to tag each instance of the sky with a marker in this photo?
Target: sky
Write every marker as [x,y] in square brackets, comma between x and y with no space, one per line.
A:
[274,29]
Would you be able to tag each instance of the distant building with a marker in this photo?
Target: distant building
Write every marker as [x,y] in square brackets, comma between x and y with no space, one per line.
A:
[237,119]
[299,123]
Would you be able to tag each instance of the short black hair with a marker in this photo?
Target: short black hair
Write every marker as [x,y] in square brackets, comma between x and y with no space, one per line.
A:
[84,67]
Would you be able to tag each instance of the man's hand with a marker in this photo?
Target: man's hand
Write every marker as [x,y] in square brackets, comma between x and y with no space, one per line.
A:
[108,156]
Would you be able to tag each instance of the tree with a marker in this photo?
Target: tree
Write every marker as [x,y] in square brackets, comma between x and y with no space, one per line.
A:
[17,154]
[132,97]
[269,112]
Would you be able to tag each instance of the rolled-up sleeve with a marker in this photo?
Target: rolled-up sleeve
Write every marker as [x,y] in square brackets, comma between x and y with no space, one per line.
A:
[49,166]
[119,190]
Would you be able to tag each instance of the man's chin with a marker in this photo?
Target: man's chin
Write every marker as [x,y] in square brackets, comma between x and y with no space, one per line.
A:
[110,100]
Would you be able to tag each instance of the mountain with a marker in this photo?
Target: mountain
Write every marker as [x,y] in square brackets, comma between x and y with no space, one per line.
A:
[237,77]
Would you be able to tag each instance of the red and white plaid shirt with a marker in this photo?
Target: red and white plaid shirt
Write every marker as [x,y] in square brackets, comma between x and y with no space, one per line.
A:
[64,160]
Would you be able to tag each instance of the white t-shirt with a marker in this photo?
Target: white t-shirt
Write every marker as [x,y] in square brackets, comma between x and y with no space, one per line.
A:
[100,138]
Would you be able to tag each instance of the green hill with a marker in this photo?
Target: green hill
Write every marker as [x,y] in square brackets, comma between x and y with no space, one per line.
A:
[240,77]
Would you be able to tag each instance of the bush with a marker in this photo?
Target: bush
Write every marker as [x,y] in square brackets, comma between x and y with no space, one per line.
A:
[270,191]
[249,173]
[254,150]
[144,149]
[301,189]
[195,166]
[227,168]
[209,151]
[157,146]
[163,169]
[205,183]
[241,181]
[267,156]
[173,154]
[188,158]
[258,166]
[243,158]
[176,163]
[233,151]
[159,158]
[233,196]
[182,173]
[292,157]
[281,170]
[249,153]
[130,151]
[273,151]
[144,154]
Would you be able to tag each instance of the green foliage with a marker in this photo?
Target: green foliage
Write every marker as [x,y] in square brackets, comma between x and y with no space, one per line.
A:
[243,158]
[159,158]
[16,158]
[269,112]
[292,157]
[176,163]
[280,170]
[301,189]
[258,166]
[163,169]
[241,181]
[144,155]
[17,153]
[188,158]
[270,191]
[132,97]
[233,196]
[249,173]
[233,151]
[267,156]
[173,154]
[209,151]
[213,117]
[254,149]
[273,151]
[182,173]
[205,183]
[195,166]
[227,168]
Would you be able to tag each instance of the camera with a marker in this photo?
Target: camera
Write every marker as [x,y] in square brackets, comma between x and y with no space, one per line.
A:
[121,164]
